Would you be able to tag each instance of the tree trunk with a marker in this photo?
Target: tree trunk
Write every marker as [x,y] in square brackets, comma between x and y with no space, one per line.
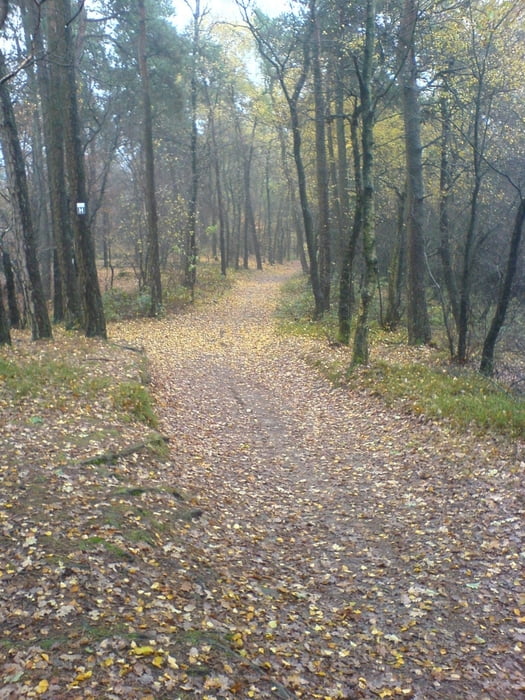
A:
[292,100]
[15,166]
[487,356]
[396,270]
[190,255]
[445,185]
[12,305]
[417,313]
[67,305]
[249,218]
[153,257]
[30,18]
[5,335]
[94,320]
[346,294]
[360,349]
[323,236]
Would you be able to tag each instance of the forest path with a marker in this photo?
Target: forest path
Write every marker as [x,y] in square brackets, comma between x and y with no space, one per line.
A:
[347,552]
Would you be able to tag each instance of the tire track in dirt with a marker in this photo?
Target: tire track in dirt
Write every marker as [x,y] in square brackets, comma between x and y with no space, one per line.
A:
[338,549]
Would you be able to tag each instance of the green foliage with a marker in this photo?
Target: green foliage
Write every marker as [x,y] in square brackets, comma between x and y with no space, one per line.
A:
[133,398]
[296,309]
[123,304]
[120,304]
[20,380]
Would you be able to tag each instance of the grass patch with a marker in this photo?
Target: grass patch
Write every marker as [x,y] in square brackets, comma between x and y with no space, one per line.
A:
[296,310]
[32,378]
[133,399]
[466,398]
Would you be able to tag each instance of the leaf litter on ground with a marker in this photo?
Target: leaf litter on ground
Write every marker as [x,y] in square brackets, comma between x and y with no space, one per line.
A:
[298,540]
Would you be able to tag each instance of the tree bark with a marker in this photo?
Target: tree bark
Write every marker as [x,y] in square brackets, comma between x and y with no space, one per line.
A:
[93,311]
[396,270]
[67,305]
[190,254]
[360,349]
[12,305]
[14,160]
[153,258]
[346,295]
[445,185]
[323,237]
[417,314]
[489,346]
[5,335]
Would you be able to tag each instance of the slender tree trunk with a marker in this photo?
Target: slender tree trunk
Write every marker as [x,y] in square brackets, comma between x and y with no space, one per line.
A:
[5,335]
[293,202]
[360,349]
[445,185]
[14,314]
[308,222]
[14,160]
[153,257]
[417,313]
[489,346]
[249,218]
[190,267]
[272,238]
[219,191]
[324,244]
[292,100]
[396,270]
[40,191]
[346,296]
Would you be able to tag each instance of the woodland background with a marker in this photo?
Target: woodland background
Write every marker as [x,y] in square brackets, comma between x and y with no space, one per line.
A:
[381,143]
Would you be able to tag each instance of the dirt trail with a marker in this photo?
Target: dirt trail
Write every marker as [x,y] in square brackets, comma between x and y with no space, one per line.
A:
[346,551]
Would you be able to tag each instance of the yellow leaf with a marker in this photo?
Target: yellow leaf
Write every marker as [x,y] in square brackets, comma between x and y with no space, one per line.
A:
[83,676]
[172,662]
[143,651]
[158,661]
[42,687]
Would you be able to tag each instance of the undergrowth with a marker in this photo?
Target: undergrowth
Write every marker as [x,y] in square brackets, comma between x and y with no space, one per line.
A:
[413,380]
[124,302]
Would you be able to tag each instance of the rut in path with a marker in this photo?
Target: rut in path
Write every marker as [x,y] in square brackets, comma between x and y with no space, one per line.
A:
[348,551]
